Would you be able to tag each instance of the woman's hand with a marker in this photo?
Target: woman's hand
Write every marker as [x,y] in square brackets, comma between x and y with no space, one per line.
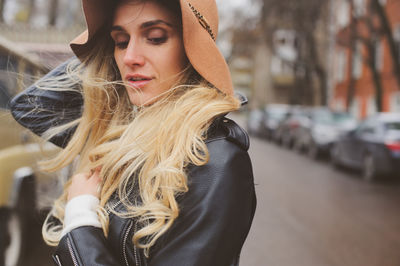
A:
[84,184]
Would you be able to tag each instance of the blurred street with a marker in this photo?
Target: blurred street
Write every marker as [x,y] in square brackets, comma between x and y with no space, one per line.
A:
[310,214]
[321,77]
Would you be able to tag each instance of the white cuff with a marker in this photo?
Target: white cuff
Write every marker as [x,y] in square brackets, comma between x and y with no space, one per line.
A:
[81,211]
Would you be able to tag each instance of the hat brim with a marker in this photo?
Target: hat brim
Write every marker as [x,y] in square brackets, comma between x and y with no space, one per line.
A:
[203,52]
[200,48]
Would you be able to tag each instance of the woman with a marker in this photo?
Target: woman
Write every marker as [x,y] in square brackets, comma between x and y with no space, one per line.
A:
[161,176]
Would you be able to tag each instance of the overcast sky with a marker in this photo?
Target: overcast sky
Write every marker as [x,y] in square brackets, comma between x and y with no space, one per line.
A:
[226,10]
[235,3]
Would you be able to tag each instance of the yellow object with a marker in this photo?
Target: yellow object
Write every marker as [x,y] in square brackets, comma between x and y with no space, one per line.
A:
[16,157]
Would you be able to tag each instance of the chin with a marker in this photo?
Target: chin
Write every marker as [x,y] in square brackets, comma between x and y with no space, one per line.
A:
[136,97]
[140,100]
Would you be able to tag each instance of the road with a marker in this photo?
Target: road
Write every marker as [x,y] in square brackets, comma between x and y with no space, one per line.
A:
[310,214]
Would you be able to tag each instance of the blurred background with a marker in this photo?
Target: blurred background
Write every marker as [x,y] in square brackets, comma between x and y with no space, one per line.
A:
[323,82]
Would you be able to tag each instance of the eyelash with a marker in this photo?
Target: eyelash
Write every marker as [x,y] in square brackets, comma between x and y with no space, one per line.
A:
[121,45]
[157,41]
[154,41]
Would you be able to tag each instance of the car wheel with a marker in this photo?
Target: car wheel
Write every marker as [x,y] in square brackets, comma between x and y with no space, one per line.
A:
[298,147]
[335,156]
[249,131]
[277,139]
[286,141]
[269,136]
[17,223]
[369,170]
[12,232]
[313,151]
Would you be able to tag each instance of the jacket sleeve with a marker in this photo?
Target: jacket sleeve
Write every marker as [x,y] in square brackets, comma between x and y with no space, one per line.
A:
[216,212]
[84,246]
[215,218]
[39,110]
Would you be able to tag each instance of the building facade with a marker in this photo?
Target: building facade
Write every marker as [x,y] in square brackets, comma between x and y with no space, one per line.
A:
[363,77]
[42,28]
[290,53]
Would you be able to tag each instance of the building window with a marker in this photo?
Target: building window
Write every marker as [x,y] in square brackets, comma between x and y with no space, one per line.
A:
[371,108]
[341,65]
[395,102]
[276,65]
[285,44]
[357,61]
[359,8]
[339,105]
[4,96]
[343,14]
[8,63]
[354,109]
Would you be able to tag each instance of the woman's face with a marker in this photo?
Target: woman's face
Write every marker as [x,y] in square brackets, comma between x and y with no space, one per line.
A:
[148,49]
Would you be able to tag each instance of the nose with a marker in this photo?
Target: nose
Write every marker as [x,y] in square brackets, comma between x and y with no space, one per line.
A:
[134,55]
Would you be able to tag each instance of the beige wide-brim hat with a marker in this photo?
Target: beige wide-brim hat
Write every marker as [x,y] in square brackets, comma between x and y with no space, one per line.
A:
[200,29]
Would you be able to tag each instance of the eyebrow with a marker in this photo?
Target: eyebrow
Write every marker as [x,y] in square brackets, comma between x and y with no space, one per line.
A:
[155,22]
[144,25]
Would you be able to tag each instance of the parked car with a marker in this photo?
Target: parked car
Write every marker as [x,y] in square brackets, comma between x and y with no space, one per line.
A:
[24,191]
[286,131]
[255,122]
[323,128]
[373,147]
[273,116]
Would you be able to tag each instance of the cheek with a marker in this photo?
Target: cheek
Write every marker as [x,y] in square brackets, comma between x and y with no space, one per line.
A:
[183,60]
[118,57]
[179,60]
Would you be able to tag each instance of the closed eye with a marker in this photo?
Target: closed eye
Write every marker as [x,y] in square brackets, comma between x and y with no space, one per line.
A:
[157,41]
[121,45]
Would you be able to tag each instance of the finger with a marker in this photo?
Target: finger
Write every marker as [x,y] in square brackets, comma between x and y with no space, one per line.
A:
[94,170]
[95,176]
[80,176]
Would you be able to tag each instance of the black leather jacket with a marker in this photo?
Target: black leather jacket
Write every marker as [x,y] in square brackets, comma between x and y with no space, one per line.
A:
[215,214]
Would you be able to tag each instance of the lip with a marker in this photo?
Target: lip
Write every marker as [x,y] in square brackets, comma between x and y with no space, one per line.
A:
[139,83]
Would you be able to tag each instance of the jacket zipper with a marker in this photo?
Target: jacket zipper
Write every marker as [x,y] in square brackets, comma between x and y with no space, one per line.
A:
[72,252]
[124,243]
[135,252]
[118,202]
[58,260]
[113,207]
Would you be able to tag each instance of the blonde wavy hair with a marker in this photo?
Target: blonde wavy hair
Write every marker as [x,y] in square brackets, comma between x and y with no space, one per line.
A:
[144,148]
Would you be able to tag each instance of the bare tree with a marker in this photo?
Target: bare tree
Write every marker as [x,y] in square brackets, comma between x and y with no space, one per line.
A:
[370,32]
[31,7]
[53,7]
[301,16]
[388,33]
[372,43]
[352,44]
[244,34]
[2,3]
[307,14]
